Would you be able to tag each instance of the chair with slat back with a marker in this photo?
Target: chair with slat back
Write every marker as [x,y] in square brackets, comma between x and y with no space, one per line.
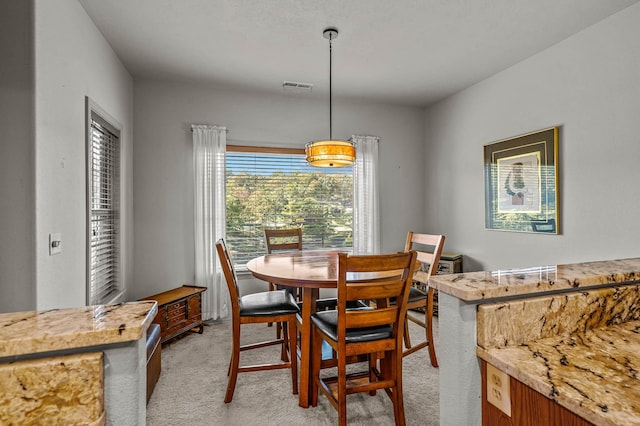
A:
[429,248]
[269,306]
[371,331]
[282,240]
[279,240]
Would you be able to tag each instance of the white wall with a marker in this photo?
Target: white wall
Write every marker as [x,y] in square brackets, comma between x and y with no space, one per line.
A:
[72,60]
[17,202]
[163,173]
[589,85]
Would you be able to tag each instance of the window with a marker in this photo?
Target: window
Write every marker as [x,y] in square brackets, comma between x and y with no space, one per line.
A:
[276,188]
[103,194]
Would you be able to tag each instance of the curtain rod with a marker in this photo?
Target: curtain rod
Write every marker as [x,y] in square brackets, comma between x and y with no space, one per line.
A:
[262,143]
[209,126]
[364,136]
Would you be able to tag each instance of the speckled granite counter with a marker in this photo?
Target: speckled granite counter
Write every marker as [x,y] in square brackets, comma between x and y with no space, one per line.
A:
[75,366]
[56,329]
[510,283]
[580,349]
[543,326]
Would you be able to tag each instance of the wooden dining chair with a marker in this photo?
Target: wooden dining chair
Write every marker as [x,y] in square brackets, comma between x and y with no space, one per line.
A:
[372,331]
[429,248]
[268,306]
[281,240]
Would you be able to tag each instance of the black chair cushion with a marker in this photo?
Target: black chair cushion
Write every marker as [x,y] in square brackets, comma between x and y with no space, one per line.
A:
[267,303]
[291,290]
[332,302]
[327,322]
[416,295]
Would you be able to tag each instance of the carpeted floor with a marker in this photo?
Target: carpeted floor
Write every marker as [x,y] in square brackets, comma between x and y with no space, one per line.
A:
[194,378]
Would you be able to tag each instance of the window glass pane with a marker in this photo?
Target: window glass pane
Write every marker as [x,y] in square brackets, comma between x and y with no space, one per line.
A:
[282,191]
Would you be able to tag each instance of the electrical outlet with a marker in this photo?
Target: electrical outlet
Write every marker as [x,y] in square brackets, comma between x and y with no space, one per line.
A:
[498,389]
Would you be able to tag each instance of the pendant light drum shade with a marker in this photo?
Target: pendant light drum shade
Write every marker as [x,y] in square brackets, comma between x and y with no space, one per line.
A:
[330,153]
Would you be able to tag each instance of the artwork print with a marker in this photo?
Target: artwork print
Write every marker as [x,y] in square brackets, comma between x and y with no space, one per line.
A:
[521,193]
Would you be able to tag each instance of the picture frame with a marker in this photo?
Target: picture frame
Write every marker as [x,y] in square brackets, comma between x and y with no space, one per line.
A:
[521,183]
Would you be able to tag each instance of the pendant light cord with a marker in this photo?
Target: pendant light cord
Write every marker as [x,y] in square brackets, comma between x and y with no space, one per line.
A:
[330,98]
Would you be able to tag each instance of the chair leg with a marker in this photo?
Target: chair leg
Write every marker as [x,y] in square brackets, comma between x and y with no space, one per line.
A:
[272,287]
[279,325]
[397,398]
[316,360]
[428,321]
[293,356]
[342,389]
[407,337]
[233,349]
[233,364]
[285,342]
[373,358]
[386,368]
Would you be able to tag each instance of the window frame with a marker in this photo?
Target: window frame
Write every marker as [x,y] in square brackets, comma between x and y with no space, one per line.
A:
[96,113]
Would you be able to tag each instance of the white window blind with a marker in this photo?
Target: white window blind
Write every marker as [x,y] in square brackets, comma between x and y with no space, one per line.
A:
[104,212]
[273,190]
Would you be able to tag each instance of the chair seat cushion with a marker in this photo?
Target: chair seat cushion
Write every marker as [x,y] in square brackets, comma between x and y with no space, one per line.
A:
[332,302]
[327,322]
[267,303]
[416,295]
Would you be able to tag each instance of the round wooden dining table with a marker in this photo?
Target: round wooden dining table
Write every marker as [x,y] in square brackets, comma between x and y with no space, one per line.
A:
[310,271]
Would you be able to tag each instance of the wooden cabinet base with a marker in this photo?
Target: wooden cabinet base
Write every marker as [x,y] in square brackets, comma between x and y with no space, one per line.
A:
[179,311]
[528,408]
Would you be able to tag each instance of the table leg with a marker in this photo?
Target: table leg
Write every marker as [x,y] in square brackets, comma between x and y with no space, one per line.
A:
[309,296]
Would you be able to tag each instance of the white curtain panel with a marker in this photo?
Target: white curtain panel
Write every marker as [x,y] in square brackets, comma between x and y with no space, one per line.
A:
[366,211]
[209,147]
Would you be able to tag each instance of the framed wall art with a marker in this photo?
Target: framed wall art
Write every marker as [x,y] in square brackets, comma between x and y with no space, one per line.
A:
[521,183]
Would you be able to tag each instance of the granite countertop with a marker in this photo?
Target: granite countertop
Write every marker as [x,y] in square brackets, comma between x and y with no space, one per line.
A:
[491,285]
[593,373]
[581,349]
[58,329]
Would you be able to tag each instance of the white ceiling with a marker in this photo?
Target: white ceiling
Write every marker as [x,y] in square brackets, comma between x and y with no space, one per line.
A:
[410,52]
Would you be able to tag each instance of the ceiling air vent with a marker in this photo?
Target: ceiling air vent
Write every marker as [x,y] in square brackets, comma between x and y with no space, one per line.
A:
[292,86]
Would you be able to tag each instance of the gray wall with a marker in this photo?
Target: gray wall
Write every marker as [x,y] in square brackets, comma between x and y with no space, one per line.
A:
[17,211]
[52,57]
[163,174]
[431,177]
[73,60]
[589,85]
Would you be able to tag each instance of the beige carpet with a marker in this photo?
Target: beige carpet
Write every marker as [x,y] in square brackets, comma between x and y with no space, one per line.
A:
[194,378]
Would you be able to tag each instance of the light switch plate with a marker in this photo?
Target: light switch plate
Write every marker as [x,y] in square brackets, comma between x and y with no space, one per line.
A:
[498,389]
[55,244]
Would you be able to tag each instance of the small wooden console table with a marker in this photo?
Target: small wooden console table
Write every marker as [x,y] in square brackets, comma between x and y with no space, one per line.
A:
[179,311]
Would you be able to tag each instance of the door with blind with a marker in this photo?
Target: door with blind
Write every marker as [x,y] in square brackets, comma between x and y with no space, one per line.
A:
[103,212]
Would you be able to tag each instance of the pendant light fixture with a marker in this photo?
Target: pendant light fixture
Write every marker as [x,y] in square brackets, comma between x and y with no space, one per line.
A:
[330,153]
